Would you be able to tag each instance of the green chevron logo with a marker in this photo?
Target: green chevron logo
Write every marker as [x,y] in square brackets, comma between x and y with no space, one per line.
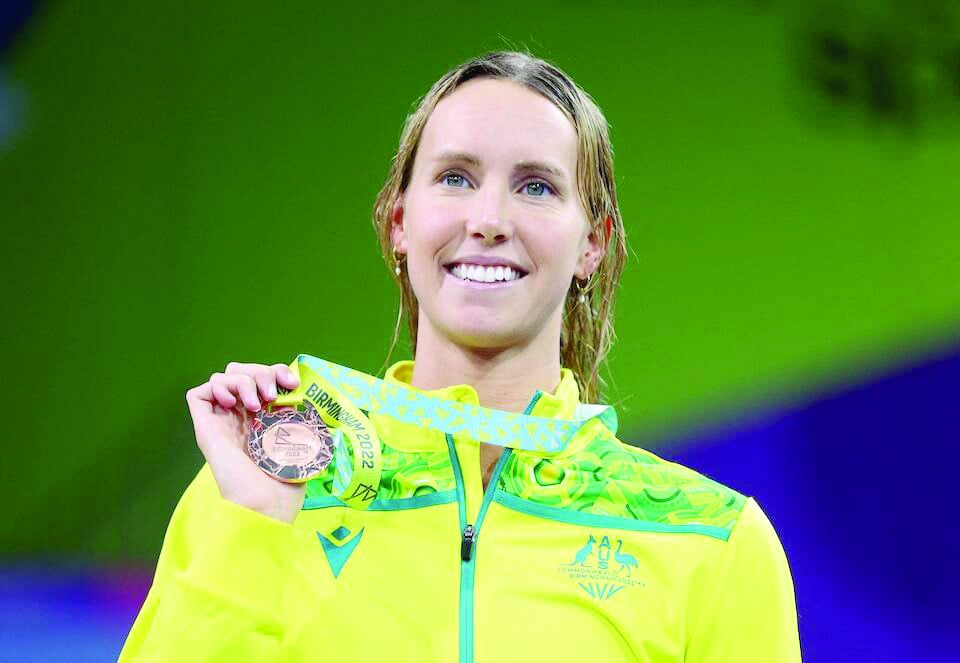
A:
[339,547]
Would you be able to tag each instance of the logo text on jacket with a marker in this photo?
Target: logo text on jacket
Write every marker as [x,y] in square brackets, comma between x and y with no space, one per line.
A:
[602,569]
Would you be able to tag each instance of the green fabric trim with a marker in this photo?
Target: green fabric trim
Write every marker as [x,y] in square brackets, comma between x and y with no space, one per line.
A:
[405,474]
[593,520]
[400,504]
[460,493]
[470,572]
[468,568]
[466,585]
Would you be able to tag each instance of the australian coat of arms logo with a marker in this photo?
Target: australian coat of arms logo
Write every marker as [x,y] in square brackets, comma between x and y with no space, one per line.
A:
[601,569]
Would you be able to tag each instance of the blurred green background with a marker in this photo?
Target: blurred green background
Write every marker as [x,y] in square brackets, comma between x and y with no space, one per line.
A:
[180,165]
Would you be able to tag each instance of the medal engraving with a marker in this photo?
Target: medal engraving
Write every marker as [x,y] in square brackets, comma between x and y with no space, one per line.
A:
[291,444]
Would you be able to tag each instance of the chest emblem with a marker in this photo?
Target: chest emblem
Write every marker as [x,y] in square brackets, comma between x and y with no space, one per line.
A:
[339,546]
[601,569]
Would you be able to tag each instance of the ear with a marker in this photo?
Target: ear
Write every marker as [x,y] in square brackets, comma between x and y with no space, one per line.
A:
[598,239]
[397,235]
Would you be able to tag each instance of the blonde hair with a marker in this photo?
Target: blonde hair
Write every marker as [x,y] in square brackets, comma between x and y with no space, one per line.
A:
[588,331]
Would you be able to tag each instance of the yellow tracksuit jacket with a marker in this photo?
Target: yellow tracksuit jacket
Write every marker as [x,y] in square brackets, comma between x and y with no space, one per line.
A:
[604,552]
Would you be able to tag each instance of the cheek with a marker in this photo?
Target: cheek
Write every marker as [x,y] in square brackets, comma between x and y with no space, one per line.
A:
[555,250]
[430,224]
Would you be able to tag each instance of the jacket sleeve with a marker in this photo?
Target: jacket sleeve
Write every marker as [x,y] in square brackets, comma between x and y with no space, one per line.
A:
[217,593]
[745,610]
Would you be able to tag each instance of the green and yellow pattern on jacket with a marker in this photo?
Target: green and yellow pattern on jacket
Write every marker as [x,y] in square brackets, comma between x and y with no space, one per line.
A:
[601,552]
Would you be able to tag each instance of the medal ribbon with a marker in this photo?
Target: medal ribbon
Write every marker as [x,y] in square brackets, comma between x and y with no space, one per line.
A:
[340,393]
[357,486]
[407,405]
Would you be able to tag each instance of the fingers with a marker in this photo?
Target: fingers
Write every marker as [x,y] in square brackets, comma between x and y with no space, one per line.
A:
[249,384]
[201,394]
[227,390]
[246,388]
[205,398]
[221,395]
[285,377]
[266,377]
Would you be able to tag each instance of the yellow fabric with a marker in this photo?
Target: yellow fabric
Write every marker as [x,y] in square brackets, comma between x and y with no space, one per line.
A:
[233,585]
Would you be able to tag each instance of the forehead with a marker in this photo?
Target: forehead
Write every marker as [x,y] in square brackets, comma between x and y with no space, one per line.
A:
[500,120]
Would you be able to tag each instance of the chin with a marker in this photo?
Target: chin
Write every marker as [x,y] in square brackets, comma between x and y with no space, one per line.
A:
[470,327]
[490,337]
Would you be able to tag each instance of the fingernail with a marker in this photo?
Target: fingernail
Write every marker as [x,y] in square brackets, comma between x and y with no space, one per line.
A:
[272,391]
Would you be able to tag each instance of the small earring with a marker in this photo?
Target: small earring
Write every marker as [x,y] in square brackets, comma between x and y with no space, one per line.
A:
[396,260]
[581,295]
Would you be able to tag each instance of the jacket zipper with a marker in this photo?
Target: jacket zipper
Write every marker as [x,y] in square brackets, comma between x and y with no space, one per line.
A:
[466,545]
[468,541]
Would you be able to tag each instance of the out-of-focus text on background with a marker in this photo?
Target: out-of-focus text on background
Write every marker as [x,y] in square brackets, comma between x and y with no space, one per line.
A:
[788,322]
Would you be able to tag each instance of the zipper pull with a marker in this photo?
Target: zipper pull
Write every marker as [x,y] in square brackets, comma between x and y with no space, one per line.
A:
[466,545]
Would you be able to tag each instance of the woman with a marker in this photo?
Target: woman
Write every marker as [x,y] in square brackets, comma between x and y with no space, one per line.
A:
[500,221]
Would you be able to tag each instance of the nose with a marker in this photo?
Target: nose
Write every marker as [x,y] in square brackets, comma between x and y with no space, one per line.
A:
[488,221]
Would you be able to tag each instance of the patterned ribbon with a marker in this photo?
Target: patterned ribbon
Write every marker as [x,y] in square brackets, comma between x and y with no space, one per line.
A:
[407,405]
[355,485]
[339,393]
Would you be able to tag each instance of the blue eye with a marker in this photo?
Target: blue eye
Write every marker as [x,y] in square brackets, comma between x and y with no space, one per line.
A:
[459,180]
[540,191]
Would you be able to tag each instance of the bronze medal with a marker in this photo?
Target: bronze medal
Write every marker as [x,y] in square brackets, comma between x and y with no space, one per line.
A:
[291,444]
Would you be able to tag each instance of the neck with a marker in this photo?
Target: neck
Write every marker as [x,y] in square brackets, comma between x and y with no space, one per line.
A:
[504,378]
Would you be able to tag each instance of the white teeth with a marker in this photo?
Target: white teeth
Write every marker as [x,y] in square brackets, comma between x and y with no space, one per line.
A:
[484,274]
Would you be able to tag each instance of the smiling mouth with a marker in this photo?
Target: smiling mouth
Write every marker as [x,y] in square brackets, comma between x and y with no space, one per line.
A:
[480,274]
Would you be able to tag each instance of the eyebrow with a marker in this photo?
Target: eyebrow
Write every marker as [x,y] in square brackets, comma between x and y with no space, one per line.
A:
[526,166]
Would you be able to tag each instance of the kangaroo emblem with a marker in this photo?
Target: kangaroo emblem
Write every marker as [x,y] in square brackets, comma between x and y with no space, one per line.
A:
[626,560]
[583,553]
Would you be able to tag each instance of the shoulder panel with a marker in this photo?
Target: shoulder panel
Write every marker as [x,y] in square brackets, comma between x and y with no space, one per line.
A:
[609,479]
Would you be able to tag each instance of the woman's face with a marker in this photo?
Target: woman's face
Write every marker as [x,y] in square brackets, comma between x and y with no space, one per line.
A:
[494,185]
